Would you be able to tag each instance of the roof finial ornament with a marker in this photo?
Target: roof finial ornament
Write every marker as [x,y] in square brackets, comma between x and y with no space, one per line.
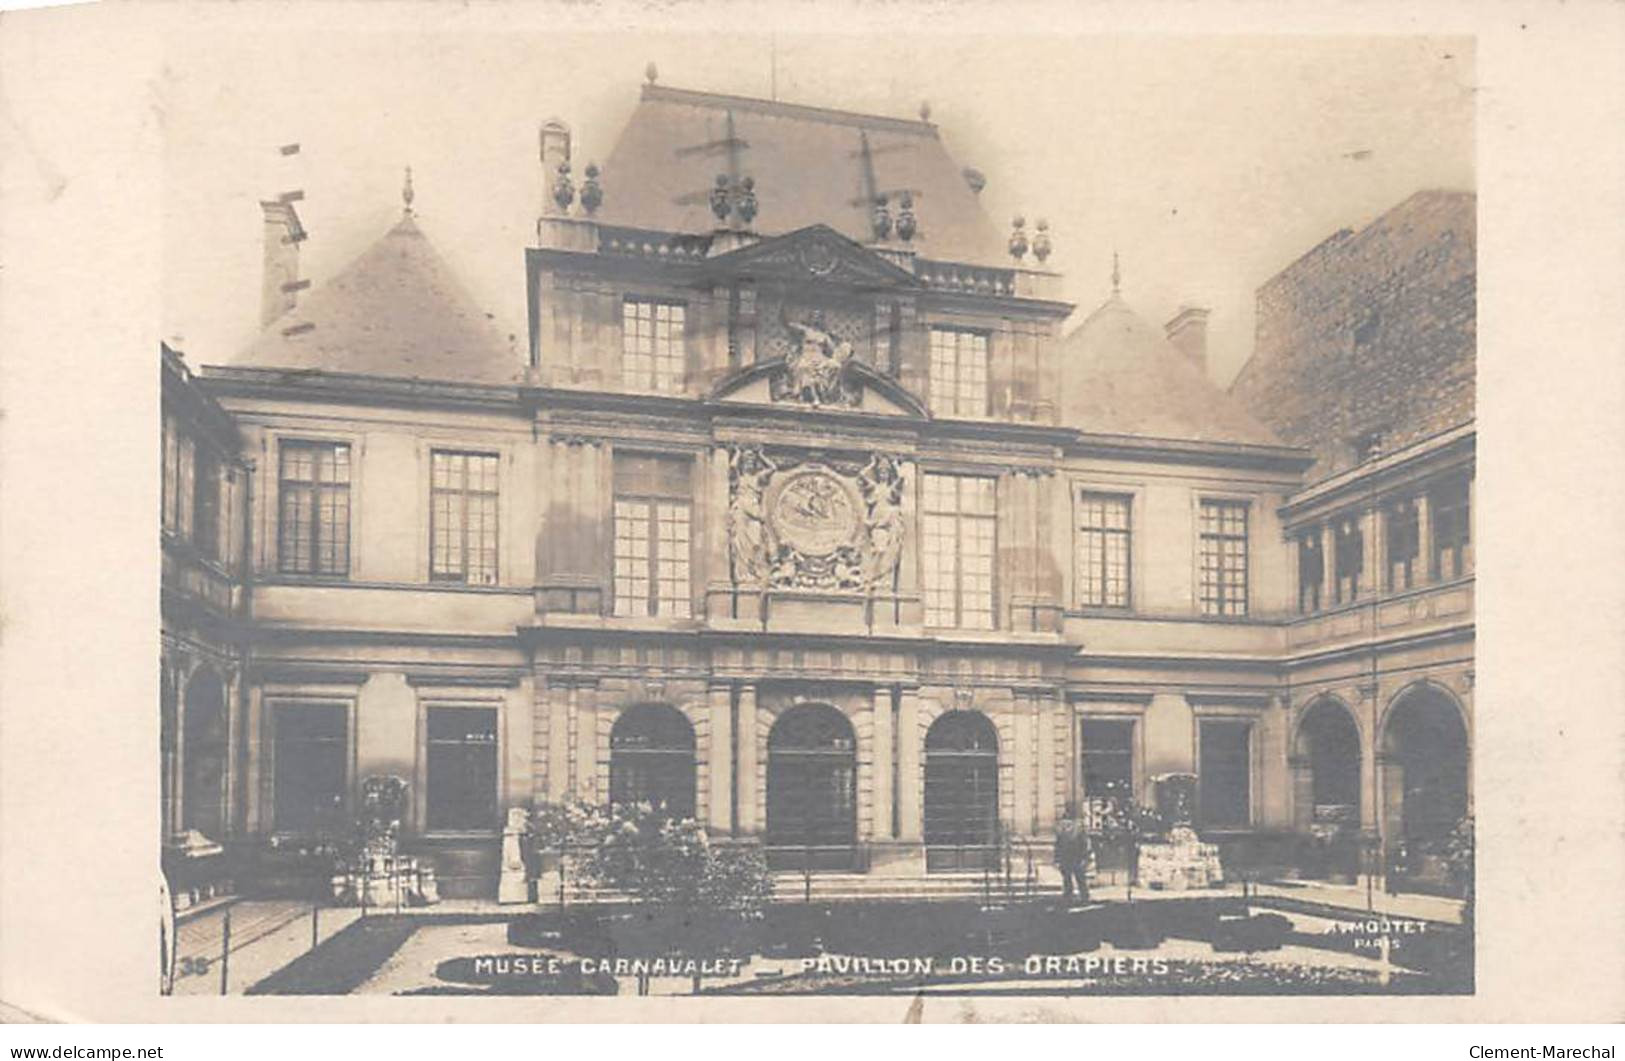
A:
[651,73]
[407,195]
[925,110]
[1117,275]
[1041,242]
[1018,238]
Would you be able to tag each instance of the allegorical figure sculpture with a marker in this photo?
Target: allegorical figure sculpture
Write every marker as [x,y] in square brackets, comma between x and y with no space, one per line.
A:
[881,482]
[815,367]
[749,470]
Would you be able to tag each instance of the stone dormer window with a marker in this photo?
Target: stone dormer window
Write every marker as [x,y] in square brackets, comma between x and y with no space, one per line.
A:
[652,348]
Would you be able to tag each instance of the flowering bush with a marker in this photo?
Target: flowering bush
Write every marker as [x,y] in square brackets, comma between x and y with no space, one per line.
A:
[659,861]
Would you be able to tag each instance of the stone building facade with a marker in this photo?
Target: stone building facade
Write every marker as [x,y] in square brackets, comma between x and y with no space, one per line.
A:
[1365,355]
[799,513]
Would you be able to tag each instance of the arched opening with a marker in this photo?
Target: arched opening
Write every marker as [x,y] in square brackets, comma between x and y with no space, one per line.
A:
[203,756]
[961,792]
[1329,747]
[812,820]
[168,728]
[651,760]
[1426,745]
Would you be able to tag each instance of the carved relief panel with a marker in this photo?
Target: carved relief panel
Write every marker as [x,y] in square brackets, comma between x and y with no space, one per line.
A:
[824,524]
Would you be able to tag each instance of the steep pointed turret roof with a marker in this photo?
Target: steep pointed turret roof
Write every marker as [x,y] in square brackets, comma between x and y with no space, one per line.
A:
[397,310]
[1121,376]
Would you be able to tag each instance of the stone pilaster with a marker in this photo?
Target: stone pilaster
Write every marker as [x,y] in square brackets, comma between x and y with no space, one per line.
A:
[1023,808]
[910,775]
[719,813]
[1328,565]
[1044,718]
[587,754]
[884,779]
[558,742]
[1424,540]
[719,593]
[750,795]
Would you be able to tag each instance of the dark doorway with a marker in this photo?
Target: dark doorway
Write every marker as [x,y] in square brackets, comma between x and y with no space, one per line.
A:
[203,756]
[1428,743]
[961,793]
[651,760]
[812,820]
[1330,741]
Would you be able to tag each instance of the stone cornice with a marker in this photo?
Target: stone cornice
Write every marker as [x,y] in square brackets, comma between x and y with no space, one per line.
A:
[1440,455]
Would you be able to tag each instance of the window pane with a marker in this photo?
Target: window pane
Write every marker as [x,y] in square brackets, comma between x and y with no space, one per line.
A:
[463,517]
[310,757]
[1103,550]
[1224,790]
[1107,747]
[314,500]
[1223,557]
[957,545]
[462,768]
[958,372]
[652,345]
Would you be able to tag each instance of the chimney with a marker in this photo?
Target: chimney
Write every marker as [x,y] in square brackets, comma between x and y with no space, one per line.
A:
[1187,332]
[283,233]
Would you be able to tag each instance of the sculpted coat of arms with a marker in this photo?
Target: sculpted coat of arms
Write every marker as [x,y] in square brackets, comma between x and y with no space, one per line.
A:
[797,523]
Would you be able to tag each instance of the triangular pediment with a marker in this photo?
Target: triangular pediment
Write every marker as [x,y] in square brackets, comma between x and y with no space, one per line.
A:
[815,253]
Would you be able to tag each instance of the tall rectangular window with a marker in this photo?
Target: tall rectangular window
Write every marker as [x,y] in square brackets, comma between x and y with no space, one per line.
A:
[461,760]
[1403,538]
[1224,774]
[1103,551]
[958,521]
[1311,571]
[1107,747]
[652,345]
[310,756]
[1451,531]
[652,536]
[206,504]
[958,372]
[313,495]
[463,517]
[1349,544]
[1223,550]
[186,488]
[171,474]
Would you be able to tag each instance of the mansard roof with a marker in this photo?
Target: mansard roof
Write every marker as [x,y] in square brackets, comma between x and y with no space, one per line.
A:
[1120,375]
[810,166]
[397,310]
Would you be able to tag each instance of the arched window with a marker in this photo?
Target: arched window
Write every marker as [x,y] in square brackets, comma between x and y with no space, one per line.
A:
[203,755]
[961,792]
[651,760]
[812,787]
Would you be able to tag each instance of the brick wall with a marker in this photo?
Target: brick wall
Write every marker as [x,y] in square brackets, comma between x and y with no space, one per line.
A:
[1371,331]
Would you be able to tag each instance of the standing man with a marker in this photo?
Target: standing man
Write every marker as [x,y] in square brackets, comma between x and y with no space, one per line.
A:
[1072,855]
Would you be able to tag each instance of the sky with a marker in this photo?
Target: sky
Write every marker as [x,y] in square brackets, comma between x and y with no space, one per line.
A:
[1207,163]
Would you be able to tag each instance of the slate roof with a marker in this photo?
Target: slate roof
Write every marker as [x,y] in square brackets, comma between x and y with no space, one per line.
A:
[1121,376]
[810,165]
[397,310]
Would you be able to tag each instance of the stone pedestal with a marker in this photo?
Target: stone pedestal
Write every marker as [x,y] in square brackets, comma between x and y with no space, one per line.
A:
[1181,863]
[513,885]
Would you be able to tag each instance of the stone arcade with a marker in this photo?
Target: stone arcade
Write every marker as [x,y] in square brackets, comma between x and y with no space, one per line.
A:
[800,515]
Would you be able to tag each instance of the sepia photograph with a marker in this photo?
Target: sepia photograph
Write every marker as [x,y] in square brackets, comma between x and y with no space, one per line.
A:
[813,519]
[734,514]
